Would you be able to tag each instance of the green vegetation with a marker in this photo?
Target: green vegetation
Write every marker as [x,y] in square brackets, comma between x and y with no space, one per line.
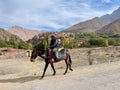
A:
[67,42]
[14,44]
[90,59]
[12,41]
[44,43]
[97,39]
[24,45]
[3,43]
[77,40]
[98,42]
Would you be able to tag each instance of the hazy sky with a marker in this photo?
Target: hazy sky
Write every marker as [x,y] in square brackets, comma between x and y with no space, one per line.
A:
[52,15]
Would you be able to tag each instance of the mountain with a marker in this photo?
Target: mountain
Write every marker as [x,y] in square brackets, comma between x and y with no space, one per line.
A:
[4,35]
[112,28]
[112,17]
[88,26]
[23,33]
[95,24]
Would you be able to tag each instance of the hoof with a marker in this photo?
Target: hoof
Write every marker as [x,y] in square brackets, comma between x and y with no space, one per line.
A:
[71,69]
[64,74]
[53,74]
[41,77]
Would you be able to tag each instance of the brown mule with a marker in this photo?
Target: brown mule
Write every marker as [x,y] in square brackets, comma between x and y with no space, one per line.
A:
[48,60]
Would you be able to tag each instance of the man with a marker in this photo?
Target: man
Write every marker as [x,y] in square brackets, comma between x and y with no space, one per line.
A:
[53,42]
[53,45]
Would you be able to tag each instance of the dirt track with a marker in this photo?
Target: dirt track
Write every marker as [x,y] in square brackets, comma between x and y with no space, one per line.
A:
[21,74]
[97,77]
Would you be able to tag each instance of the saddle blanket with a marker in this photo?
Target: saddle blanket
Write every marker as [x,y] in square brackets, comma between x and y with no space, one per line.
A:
[60,54]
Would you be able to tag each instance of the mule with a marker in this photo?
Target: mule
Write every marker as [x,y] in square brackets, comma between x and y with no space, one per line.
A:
[48,60]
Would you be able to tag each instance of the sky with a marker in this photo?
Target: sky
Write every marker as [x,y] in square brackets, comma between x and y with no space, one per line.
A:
[52,15]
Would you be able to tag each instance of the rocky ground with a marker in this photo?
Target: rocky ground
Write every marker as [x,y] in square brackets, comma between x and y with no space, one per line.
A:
[21,74]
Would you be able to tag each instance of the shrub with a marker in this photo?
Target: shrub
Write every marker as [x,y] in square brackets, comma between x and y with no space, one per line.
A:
[12,44]
[67,42]
[90,59]
[99,42]
[24,45]
[114,41]
[3,43]
[111,41]
[43,43]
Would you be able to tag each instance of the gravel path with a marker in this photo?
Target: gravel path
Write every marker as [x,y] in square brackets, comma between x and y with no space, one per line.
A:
[97,77]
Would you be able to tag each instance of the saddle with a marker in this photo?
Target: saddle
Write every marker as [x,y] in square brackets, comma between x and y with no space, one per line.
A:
[60,53]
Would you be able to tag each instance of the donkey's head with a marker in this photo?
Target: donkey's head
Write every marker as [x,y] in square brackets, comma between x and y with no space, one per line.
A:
[33,55]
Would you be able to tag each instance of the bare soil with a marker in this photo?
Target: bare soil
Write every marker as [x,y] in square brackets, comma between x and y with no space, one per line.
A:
[19,73]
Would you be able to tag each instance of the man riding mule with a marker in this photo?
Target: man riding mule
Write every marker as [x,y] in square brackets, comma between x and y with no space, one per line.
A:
[56,50]
[48,57]
[53,46]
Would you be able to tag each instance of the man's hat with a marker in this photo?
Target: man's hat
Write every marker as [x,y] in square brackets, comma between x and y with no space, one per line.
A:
[53,35]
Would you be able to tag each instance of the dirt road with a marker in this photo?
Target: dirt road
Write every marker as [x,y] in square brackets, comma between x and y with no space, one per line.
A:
[21,74]
[97,77]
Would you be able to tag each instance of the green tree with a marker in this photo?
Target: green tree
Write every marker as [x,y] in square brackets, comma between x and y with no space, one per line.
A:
[23,45]
[43,43]
[105,43]
[3,43]
[111,41]
[29,46]
[65,42]
[99,42]
[71,44]
[12,44]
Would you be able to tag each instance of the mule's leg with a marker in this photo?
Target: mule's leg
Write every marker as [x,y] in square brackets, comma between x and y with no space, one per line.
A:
[53,68]
[70,67]
[66,67]
[70,63]
[46,65]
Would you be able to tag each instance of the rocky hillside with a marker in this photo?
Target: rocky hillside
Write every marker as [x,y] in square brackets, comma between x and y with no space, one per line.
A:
[4,35]
[88,26]
[112,28]
[95,23]
[23,33]
[112,17]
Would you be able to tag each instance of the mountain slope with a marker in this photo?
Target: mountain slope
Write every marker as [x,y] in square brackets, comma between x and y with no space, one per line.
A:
[88,26]
[112,28]
[95,23]
[23,33]
[4,35]
[112,17]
